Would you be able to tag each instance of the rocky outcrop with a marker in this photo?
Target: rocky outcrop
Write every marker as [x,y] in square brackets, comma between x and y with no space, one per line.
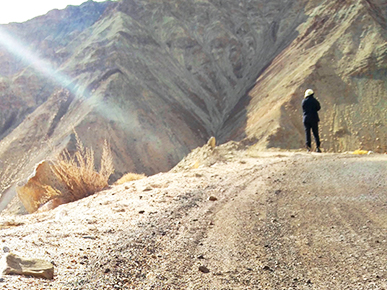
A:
[42,187]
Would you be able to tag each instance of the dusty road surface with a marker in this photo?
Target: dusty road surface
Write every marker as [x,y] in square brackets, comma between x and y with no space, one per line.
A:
[223,219]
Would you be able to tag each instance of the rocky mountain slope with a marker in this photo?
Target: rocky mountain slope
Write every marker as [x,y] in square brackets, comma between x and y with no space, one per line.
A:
[158,78]
[341,54]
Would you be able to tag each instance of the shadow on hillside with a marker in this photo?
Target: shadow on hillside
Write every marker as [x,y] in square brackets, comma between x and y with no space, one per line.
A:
[234,127]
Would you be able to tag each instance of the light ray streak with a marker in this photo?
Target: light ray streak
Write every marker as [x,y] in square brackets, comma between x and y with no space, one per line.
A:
[127,119]
[29,58]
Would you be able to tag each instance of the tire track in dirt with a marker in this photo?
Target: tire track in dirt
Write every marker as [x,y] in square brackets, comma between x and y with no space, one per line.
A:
[292,221]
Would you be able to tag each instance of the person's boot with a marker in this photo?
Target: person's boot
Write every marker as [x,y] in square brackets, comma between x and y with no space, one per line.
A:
[318,150]
[308,149]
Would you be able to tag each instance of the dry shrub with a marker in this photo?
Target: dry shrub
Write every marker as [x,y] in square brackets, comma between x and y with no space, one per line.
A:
[78,173]
[129,177]
[68,178]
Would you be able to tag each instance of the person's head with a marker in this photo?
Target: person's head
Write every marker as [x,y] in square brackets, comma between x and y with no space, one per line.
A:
[309,92]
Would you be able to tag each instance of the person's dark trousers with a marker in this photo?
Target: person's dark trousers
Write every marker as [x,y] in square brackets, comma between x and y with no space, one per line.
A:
[314,127]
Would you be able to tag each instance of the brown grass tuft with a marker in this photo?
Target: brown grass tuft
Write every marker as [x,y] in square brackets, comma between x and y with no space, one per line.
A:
[78,173]
[129,177]
[68,178]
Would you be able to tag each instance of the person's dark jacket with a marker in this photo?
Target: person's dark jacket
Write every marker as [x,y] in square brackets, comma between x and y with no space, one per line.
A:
[310,107]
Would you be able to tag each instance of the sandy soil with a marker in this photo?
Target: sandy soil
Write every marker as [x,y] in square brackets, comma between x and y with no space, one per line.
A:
[281,220]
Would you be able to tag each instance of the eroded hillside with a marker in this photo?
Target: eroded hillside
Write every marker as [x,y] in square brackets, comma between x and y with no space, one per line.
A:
[341,54]
[155,78]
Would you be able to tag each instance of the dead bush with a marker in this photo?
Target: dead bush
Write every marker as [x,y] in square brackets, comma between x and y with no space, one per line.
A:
[78,173]
[129,177]
[66,179]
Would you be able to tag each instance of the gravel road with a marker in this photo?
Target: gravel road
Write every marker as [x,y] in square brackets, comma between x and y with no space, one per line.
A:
[247,220]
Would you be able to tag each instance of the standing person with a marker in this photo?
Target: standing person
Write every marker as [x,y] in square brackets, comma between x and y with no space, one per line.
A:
[310,107]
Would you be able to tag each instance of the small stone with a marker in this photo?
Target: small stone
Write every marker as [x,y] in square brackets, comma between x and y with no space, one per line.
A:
[204,269]
[107,270]
[148,188]
[267,268]
[141,211]
[12,264]
[90,237]
[200,257]
[6,249]
[2,280]
[212,198]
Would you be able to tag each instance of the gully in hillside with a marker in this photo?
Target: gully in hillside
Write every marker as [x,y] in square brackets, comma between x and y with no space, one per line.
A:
[310,108]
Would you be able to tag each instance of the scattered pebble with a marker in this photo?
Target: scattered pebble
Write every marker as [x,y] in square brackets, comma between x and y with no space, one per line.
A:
[204,269]
[267,268]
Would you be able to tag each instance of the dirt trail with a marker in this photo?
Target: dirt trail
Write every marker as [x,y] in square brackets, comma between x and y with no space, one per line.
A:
[280,221]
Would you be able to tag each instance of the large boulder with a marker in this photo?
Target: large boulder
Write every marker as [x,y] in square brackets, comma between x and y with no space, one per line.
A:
[41,187]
